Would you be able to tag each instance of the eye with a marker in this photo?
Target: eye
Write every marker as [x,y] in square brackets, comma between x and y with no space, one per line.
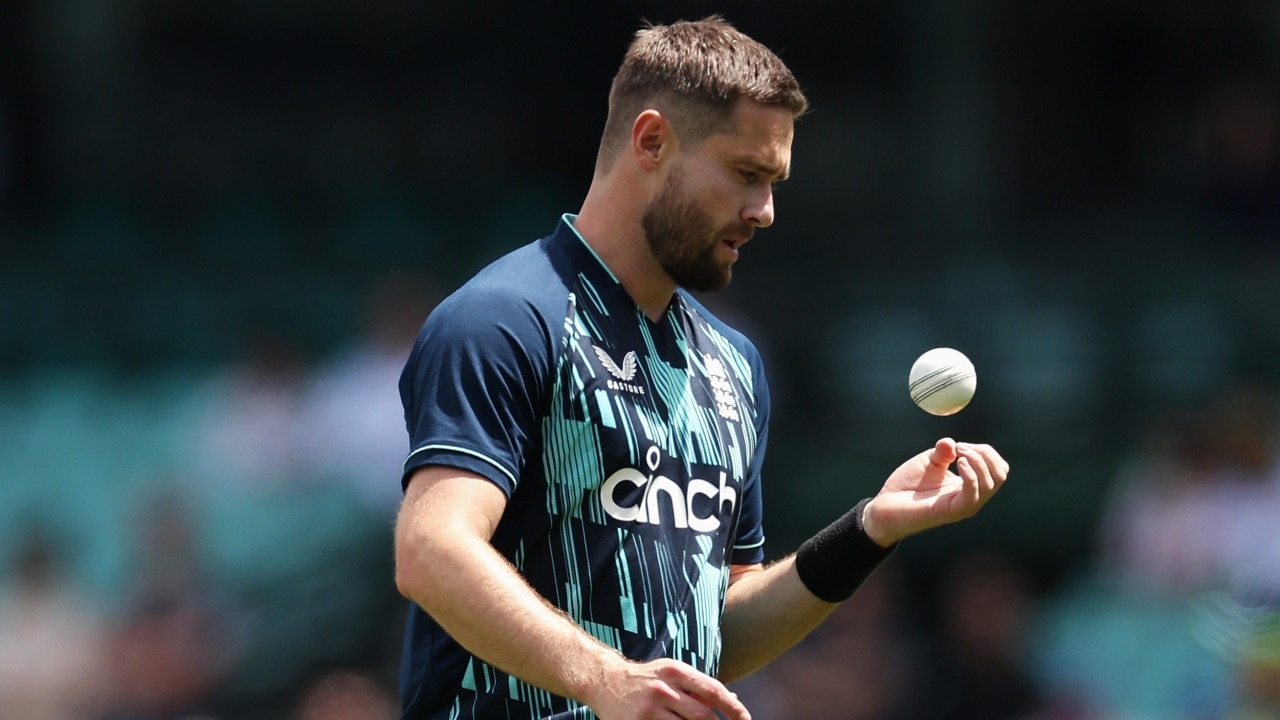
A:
[750,177]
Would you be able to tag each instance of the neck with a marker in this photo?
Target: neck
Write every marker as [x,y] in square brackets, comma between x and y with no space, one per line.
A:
[609,221]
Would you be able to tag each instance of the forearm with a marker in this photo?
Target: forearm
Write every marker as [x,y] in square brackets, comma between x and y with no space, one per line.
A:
[765,614]
[768,611]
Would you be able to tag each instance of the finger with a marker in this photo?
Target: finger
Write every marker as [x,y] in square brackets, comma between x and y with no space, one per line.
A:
[989,454]
[692,707]
[971,484]
[727,703]
[711,693]
[996,465]
[943,453]
[980,466]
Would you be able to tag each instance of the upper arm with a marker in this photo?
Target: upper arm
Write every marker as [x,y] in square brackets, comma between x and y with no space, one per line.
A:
[443,498]
[444,511]
[738,572]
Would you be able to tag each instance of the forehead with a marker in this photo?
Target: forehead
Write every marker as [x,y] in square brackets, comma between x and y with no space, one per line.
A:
[760,134]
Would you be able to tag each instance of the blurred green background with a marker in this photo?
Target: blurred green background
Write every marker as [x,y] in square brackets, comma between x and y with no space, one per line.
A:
[222,220]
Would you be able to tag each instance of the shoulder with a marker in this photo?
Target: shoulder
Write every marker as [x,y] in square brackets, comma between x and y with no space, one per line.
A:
[524,290]
[498,330]
[526,273]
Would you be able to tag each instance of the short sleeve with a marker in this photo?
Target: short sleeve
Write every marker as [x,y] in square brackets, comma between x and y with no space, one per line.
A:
[473,385]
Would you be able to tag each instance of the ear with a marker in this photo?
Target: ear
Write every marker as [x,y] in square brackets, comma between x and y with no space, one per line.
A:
[651,139]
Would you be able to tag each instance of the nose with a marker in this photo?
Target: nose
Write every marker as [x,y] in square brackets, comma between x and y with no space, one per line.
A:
[760,212]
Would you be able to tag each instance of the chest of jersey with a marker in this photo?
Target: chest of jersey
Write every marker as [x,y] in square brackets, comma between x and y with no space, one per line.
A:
[652,423]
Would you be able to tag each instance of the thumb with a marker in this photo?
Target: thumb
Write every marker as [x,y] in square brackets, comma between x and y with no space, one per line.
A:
[944,453]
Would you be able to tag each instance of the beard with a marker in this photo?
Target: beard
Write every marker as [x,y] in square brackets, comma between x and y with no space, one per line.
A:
[684,239]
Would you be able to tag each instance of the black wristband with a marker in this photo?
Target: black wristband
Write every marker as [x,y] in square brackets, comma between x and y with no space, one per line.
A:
[833,563]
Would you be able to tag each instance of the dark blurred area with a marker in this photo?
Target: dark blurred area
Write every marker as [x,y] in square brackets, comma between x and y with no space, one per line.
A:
[222,222]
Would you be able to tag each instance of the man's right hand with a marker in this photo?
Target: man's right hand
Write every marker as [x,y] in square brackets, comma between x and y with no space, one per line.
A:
[660,689]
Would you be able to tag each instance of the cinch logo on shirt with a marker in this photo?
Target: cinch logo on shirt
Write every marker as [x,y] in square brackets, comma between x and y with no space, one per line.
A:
[662,492]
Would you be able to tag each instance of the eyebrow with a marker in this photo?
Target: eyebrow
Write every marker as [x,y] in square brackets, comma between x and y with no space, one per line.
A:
[778,174]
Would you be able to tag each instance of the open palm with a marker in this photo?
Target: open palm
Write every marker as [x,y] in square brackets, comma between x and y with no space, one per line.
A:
[924,492]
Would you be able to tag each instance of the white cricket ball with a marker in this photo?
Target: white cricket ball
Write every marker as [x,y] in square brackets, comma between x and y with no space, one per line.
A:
[942,381]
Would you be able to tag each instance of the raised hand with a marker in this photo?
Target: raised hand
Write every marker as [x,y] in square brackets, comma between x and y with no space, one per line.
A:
[923,492]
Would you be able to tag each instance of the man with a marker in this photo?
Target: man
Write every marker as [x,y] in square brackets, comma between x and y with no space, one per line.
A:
[581,527]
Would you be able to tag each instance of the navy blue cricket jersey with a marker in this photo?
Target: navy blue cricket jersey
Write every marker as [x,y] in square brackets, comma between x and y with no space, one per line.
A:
[629,450]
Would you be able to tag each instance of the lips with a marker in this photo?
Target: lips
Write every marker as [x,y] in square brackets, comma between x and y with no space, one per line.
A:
[735,239]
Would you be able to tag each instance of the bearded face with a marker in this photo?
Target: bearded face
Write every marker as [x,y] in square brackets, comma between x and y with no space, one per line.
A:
[684,239]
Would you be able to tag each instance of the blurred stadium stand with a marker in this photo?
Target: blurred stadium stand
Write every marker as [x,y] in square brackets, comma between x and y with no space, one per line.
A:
[1083,196]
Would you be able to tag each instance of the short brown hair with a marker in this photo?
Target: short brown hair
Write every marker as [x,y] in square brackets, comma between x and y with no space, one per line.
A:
[694,72]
